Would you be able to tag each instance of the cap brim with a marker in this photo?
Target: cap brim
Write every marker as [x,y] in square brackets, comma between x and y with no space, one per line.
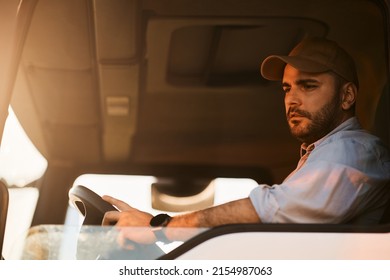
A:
[273,66]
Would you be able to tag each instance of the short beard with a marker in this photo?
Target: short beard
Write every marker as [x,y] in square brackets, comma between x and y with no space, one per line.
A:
[322,122]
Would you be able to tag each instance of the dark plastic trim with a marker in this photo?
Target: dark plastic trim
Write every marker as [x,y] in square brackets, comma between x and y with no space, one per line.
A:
[4,199]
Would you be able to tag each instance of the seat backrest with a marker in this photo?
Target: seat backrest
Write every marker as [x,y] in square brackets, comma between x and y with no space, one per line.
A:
[386,215]
[3,212]
[381,128]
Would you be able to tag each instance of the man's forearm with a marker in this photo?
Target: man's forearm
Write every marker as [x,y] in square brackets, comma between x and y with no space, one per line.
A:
[238,211]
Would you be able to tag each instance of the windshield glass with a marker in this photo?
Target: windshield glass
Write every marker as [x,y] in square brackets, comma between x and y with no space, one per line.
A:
[58,242]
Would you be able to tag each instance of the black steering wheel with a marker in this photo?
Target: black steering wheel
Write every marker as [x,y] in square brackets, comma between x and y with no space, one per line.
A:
[93,208]
[89,204]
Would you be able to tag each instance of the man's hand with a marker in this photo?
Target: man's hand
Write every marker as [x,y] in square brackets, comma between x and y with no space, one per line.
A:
[127,217]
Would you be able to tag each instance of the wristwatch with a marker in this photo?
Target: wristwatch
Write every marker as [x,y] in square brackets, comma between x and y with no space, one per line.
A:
[161,220]
[158,223]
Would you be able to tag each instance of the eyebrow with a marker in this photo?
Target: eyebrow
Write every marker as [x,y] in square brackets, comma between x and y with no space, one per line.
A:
[300,82]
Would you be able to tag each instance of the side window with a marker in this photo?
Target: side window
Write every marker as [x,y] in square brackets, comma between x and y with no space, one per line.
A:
[20,162]
[20,165]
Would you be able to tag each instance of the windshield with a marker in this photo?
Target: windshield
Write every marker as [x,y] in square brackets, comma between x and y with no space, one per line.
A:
[58,242]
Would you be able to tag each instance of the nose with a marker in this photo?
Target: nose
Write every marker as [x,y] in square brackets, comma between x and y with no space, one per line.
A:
[292,98]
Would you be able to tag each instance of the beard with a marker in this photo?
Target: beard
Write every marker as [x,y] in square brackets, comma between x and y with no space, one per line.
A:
[320,123]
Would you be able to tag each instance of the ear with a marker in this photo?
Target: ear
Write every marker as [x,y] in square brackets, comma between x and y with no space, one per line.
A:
[349,94]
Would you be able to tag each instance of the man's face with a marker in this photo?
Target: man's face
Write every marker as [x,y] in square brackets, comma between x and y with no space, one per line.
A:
[313,104]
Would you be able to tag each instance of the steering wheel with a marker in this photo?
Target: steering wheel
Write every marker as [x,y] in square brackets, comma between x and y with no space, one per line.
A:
[89,204]
[93,208]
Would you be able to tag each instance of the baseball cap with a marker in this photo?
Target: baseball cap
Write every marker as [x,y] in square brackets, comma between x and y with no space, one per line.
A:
[312,55]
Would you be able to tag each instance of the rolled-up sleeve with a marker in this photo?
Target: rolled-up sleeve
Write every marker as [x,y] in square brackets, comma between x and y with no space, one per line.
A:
[264,203]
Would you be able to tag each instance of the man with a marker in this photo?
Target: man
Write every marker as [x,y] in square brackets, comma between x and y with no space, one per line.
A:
[343,174]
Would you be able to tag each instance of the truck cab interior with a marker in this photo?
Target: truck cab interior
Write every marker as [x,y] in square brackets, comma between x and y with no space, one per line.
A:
[171,89]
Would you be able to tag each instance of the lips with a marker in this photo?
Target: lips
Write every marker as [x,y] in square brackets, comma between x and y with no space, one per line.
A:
[295,114]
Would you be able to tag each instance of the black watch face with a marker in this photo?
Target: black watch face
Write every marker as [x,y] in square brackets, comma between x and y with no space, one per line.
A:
[160,220]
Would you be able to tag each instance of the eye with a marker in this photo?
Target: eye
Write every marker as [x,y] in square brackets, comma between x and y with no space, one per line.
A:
[309,87]
[286,89]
